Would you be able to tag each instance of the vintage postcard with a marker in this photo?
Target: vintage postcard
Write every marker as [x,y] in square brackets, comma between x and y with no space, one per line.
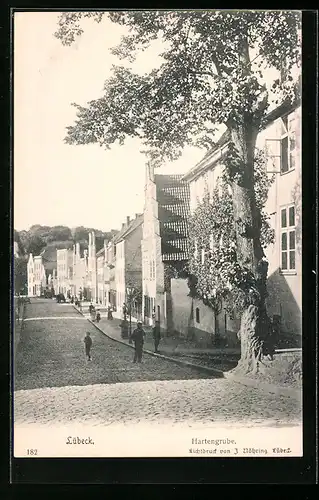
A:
[157,234]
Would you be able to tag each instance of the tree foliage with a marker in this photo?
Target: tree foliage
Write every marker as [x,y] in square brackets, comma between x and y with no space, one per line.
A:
[20,275]
[217,275]
[202,79]
[40,237]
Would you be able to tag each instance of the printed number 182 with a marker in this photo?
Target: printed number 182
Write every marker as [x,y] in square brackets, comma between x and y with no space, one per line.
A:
[32,452]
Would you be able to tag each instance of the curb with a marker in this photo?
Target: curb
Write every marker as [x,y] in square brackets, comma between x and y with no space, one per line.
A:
[212,371]
[271,388]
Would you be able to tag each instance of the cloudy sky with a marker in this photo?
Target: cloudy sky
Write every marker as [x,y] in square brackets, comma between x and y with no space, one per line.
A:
[55,183]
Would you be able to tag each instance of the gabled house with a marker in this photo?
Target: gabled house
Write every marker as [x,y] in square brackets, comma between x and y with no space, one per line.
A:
[65,271]
[100,271]
[164,243]
[79,271]
[90,262]
[123,264]
[37,280]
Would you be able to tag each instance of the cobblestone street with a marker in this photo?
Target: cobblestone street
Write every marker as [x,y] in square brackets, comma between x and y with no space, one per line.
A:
[54,382]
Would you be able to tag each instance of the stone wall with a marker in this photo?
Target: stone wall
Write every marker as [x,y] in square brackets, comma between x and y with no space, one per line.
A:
[193,320]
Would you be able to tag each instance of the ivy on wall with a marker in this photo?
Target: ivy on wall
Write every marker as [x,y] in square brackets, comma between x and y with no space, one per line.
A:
[215,274]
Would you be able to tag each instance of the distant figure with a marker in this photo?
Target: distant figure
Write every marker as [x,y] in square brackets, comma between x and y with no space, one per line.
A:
[91,307]
[88,344]
[98,316]
[138,339]
[93,313]
[156,335]
[125,311]
[153,318]
[109,313]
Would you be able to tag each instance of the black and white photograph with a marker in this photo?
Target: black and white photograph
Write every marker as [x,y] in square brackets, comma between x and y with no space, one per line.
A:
[157,234]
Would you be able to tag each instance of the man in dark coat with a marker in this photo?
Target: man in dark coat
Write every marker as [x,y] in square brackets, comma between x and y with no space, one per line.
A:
[156,335]
[138,339]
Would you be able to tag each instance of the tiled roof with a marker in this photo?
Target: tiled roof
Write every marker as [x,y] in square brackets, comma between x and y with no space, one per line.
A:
[100,252]
[173,197]
[134,223]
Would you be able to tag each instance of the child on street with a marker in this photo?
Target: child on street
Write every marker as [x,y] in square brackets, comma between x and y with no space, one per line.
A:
[88,344]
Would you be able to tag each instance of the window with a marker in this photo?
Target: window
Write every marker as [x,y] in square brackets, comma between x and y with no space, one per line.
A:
[287,239]
[197,315]
[287,144]
[153,269]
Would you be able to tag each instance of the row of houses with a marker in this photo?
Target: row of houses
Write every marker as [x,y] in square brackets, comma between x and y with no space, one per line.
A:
[150,251]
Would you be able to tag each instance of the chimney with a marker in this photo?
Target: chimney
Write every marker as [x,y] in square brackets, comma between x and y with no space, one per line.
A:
[128,220]
[123,225]
[90,239]
[149,172]
[78,249]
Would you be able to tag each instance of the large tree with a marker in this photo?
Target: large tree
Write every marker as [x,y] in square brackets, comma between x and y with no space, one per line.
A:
[216,276]
[211,72]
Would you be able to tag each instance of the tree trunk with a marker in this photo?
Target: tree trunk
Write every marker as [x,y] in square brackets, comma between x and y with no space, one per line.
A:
[254,321]
[216,323]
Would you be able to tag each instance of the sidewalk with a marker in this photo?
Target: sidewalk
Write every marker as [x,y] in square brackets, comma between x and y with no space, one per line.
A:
[168,345]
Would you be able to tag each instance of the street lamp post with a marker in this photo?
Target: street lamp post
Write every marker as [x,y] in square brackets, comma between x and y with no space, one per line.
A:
[129,297]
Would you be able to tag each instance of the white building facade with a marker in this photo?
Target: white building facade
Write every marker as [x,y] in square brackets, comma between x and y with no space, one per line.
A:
[65,271]
[280,140]
[36,276]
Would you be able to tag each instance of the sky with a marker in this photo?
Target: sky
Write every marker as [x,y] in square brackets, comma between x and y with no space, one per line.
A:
[59,184]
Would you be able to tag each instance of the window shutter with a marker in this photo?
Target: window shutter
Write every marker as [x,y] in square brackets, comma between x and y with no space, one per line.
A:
[273,155]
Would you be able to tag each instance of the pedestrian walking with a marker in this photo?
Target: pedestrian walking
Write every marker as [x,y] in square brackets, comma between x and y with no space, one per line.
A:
[88,344]
[125,311]
[93,313]
[98,316]
[109,313]
[156,335]
[138,339]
